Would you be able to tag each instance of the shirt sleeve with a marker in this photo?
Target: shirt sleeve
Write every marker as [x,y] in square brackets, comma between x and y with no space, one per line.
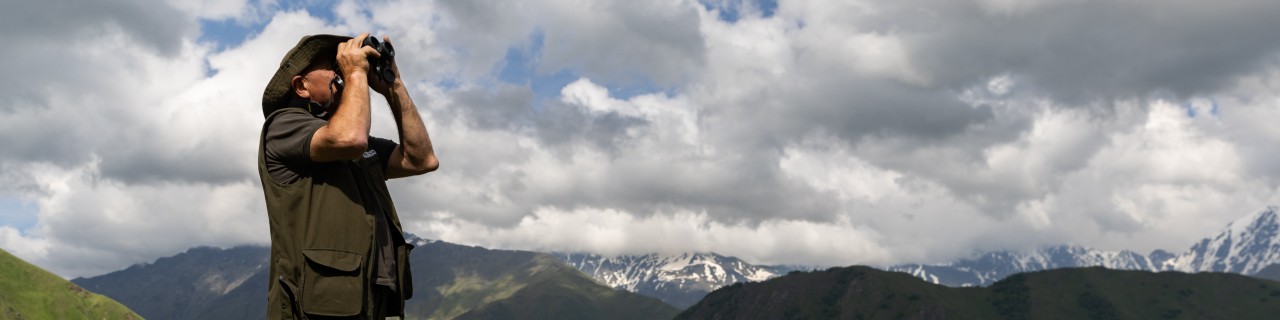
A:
[288,144]
[384,148]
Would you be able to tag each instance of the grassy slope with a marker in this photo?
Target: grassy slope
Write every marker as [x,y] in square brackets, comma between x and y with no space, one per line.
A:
[29,292]
[555,290]
[1090,293]
[453,281]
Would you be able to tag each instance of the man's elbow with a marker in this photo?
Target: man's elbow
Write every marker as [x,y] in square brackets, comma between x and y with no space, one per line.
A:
[432,164]
[426,165]
[349,148]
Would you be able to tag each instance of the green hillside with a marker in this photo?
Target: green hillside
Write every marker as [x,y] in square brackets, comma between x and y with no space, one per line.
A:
[460,282]
[31,293]
[1087,293]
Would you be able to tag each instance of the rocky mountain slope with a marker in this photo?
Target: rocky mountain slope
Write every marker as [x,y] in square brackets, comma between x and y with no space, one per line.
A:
[1244,246]
[680,280]
[185,286]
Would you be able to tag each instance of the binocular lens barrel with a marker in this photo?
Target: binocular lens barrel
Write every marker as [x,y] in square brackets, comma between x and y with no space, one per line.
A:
[381,66]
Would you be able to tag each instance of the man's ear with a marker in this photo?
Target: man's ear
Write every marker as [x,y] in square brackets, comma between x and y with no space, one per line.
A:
[300,87]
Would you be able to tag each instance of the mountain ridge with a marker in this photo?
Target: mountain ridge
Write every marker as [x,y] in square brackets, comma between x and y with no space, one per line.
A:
[678,279]
[451,281]
[1245,246]
[683,279]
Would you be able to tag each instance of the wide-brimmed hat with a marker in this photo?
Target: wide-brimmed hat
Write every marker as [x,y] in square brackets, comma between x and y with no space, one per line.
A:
[279,89]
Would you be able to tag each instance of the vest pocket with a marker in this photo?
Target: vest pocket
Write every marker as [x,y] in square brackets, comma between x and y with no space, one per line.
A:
[332,282]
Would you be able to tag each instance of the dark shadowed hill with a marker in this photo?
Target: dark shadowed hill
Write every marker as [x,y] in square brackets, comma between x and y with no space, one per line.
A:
[1088,293]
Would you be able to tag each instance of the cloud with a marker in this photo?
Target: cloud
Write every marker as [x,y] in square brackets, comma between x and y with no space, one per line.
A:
[156,26]
[816,132]
[612,232]
[619,41]
[126,146]
[1079,50]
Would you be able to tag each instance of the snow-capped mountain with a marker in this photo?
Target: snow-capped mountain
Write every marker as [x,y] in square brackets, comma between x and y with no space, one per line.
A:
[1245,246]
[680,280]
[992,267]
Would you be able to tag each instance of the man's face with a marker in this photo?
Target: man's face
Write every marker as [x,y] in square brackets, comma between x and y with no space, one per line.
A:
[317,83]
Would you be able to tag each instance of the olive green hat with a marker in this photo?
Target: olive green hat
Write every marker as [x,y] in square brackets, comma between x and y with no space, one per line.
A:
[280,88]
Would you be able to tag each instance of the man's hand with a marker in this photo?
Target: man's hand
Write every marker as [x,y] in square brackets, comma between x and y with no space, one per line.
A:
[384,88]
[346,135]
[353,59]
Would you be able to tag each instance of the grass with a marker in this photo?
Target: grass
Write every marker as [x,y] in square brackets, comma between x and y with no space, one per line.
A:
[31,293]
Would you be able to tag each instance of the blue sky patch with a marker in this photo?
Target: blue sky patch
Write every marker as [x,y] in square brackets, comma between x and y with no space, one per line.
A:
[1192,110]
[520,67]
[18,213]
[732,10]
[226,33]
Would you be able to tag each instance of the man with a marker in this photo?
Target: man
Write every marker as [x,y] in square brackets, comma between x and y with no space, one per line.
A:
[337,250]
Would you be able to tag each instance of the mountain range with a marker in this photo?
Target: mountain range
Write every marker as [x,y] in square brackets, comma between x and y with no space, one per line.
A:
[680,280]
[1245,246]
[193,285]
[205,277]
[1070,293]
[450,282]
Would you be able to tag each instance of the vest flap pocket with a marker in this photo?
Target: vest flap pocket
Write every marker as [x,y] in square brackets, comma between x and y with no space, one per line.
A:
[332,284]
[335,259]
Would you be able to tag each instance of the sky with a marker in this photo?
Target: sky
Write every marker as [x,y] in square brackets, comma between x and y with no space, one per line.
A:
[815,132]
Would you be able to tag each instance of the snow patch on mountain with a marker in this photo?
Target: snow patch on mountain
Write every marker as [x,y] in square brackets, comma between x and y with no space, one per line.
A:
[679,279]
[1244,246]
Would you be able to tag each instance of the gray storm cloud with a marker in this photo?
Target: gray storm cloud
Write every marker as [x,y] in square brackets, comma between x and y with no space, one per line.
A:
[830,132]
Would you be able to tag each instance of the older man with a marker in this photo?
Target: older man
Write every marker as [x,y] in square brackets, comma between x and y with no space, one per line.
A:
[337,249]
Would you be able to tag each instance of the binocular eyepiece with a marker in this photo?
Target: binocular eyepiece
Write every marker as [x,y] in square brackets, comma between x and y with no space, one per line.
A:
[381,66]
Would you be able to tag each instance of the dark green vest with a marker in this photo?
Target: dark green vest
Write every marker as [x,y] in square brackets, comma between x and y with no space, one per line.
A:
[322,238]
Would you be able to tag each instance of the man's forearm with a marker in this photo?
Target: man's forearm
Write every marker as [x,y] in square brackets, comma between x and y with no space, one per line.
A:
[415,143]
[346,135]
[352,116]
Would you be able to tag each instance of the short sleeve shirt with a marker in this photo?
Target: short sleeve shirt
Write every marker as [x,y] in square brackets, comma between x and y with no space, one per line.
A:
[288,145]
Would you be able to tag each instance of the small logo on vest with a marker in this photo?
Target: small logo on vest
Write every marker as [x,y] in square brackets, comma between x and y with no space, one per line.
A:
[370,154]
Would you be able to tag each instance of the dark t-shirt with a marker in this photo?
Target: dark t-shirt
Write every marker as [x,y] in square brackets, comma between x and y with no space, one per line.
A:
[288,155]
[288,145]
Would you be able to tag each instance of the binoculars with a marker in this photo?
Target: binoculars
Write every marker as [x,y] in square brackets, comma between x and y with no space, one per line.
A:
[381,66]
